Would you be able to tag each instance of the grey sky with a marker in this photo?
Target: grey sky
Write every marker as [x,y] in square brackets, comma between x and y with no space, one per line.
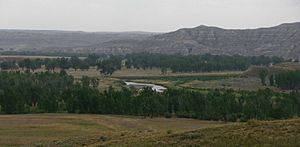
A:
[144,15]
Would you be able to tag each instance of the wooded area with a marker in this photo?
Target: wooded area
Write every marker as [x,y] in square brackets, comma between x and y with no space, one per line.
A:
[107,65]
[58,92]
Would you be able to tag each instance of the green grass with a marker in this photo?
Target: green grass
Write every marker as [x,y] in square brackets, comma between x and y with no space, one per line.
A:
[177,81]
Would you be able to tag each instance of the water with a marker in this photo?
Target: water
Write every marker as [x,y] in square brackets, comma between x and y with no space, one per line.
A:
[154,87]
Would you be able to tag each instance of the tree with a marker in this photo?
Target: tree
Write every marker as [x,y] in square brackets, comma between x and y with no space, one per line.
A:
[84,66]
[63,63]
[6,65]
[92,59]
[27,63]
[75,62]
[164,70]
[288,80]
[272,80]
[263,74]
[50,64]
[110,65]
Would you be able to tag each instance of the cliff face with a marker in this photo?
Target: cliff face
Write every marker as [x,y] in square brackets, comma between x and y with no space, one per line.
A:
[282,40]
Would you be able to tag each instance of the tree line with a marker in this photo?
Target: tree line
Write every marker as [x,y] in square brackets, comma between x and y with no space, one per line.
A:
[286,80]
[48,92]
[107,65]
[197,63]
[50,64]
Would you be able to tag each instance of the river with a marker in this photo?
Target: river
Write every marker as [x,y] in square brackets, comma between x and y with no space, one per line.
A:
[154,87]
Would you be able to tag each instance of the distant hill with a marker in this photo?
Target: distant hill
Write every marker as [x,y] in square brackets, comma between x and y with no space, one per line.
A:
[282,40]
[48,40]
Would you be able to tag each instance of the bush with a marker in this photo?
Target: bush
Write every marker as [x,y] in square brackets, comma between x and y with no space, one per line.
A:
[168,115]
[169,131]
[186,114]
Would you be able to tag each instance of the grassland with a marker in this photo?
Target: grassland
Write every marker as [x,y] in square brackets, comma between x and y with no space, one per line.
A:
[253,133]
[75,129]
[109,130]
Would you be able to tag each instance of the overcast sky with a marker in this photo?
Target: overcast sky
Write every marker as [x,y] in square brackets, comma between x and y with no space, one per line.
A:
[144,15]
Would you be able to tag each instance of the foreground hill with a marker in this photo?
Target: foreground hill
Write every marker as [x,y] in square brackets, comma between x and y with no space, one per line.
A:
[252,133]
[111,130]
[282,40]
[77,130]
[272,133]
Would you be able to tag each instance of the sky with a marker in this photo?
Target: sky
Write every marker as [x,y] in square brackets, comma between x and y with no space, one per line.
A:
[145,15]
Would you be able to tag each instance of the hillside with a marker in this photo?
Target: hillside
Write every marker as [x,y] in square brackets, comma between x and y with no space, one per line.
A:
[60,129]
[266,133]
[46,40]
[252,133]
[282,40]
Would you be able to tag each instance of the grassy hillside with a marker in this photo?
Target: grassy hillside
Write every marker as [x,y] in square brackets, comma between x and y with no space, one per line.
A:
[111,130]
[75,129]
[253,133]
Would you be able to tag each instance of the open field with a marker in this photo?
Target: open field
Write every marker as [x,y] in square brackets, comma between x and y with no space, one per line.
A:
[17,130]
[156,72]
[249,83]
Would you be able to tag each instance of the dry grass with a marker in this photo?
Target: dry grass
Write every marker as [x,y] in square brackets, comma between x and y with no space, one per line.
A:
[17,130]
[253,71]
[253,133]
[107,130]
[156,72]
[249,83]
